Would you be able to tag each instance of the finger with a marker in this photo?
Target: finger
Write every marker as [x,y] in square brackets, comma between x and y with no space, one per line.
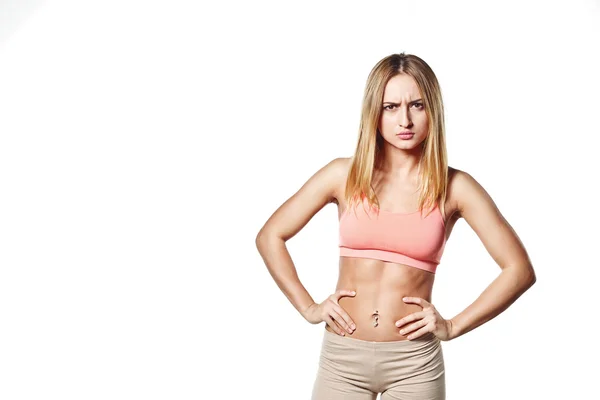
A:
[339,329]
[345,316]
[412,327]
[338,318]
[343,292]
[419,333]
[336,328]
[410,318]
[416,300]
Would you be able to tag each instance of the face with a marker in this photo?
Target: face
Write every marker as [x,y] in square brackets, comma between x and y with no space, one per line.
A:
[403,110]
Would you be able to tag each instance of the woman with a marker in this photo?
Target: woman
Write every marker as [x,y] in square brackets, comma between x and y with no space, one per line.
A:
[398,201]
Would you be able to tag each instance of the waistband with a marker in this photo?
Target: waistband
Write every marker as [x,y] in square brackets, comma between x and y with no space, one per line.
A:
[367,344]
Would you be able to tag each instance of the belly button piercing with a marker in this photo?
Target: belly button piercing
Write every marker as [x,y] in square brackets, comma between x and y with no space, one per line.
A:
[376,315]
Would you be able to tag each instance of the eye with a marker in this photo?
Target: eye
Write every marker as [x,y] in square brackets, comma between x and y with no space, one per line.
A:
[419,104]
[387,107]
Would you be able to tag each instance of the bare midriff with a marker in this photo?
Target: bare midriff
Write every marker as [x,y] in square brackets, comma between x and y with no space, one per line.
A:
[380,287]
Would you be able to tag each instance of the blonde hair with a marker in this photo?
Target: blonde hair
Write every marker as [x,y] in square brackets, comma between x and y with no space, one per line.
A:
[433,165]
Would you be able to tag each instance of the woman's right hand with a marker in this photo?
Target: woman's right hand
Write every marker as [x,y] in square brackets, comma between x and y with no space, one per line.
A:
[331,312]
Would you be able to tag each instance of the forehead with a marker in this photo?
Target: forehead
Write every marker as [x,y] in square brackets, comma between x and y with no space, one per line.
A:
[400,87]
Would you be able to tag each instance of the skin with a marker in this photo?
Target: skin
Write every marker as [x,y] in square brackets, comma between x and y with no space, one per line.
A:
[382,285]
[401,294]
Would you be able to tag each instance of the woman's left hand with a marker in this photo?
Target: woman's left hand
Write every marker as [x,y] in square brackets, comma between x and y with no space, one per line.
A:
[428,320]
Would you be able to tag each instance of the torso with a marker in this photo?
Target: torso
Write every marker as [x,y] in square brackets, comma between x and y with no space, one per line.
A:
[381,285]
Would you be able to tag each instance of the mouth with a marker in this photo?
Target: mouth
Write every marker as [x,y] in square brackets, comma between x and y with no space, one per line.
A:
[407,135]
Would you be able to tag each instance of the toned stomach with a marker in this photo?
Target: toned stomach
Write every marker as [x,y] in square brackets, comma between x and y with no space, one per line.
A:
[380,286]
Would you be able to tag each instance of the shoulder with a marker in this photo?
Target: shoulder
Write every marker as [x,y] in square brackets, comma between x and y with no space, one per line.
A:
[336,169]
[340,165]
[467,193]
[463,180]
[340,168]
[327,180]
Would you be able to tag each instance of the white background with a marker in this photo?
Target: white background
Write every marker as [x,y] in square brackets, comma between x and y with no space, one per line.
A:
[143,144]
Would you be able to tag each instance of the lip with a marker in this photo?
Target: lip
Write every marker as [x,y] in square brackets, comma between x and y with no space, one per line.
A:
[405,133]
[405,136]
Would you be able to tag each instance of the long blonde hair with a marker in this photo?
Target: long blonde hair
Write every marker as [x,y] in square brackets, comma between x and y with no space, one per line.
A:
[433,165]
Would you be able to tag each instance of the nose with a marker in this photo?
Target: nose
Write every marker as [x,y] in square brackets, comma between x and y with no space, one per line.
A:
[403,118]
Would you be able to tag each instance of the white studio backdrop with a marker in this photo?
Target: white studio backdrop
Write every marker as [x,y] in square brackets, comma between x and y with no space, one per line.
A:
[143,144]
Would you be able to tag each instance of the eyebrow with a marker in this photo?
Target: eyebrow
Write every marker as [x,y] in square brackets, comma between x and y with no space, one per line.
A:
[397,104]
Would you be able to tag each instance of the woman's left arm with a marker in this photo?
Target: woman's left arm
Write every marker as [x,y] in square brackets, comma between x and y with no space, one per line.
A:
[500,240]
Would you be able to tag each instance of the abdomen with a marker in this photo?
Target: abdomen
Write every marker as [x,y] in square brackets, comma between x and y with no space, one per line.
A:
[380,286]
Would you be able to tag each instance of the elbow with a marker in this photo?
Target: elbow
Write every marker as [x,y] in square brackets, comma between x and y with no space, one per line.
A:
[524,275]
[530,277]
[258,236]
[262,233]
[260,244]
[259,239]
[263,237]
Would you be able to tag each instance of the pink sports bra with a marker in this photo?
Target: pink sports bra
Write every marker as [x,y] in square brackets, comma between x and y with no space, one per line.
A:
[403,238]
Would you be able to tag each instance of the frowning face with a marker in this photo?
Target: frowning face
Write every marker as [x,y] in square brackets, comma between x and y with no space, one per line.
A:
[403,111]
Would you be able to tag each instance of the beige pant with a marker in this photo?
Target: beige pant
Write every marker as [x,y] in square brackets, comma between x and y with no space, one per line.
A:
[354,369]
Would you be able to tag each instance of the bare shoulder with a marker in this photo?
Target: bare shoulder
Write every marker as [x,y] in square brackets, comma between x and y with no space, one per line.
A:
[452,194]
[320,189]
[343,165]
[468,194]
[334,176]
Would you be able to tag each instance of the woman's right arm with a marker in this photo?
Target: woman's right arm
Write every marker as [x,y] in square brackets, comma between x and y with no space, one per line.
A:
[288,220]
